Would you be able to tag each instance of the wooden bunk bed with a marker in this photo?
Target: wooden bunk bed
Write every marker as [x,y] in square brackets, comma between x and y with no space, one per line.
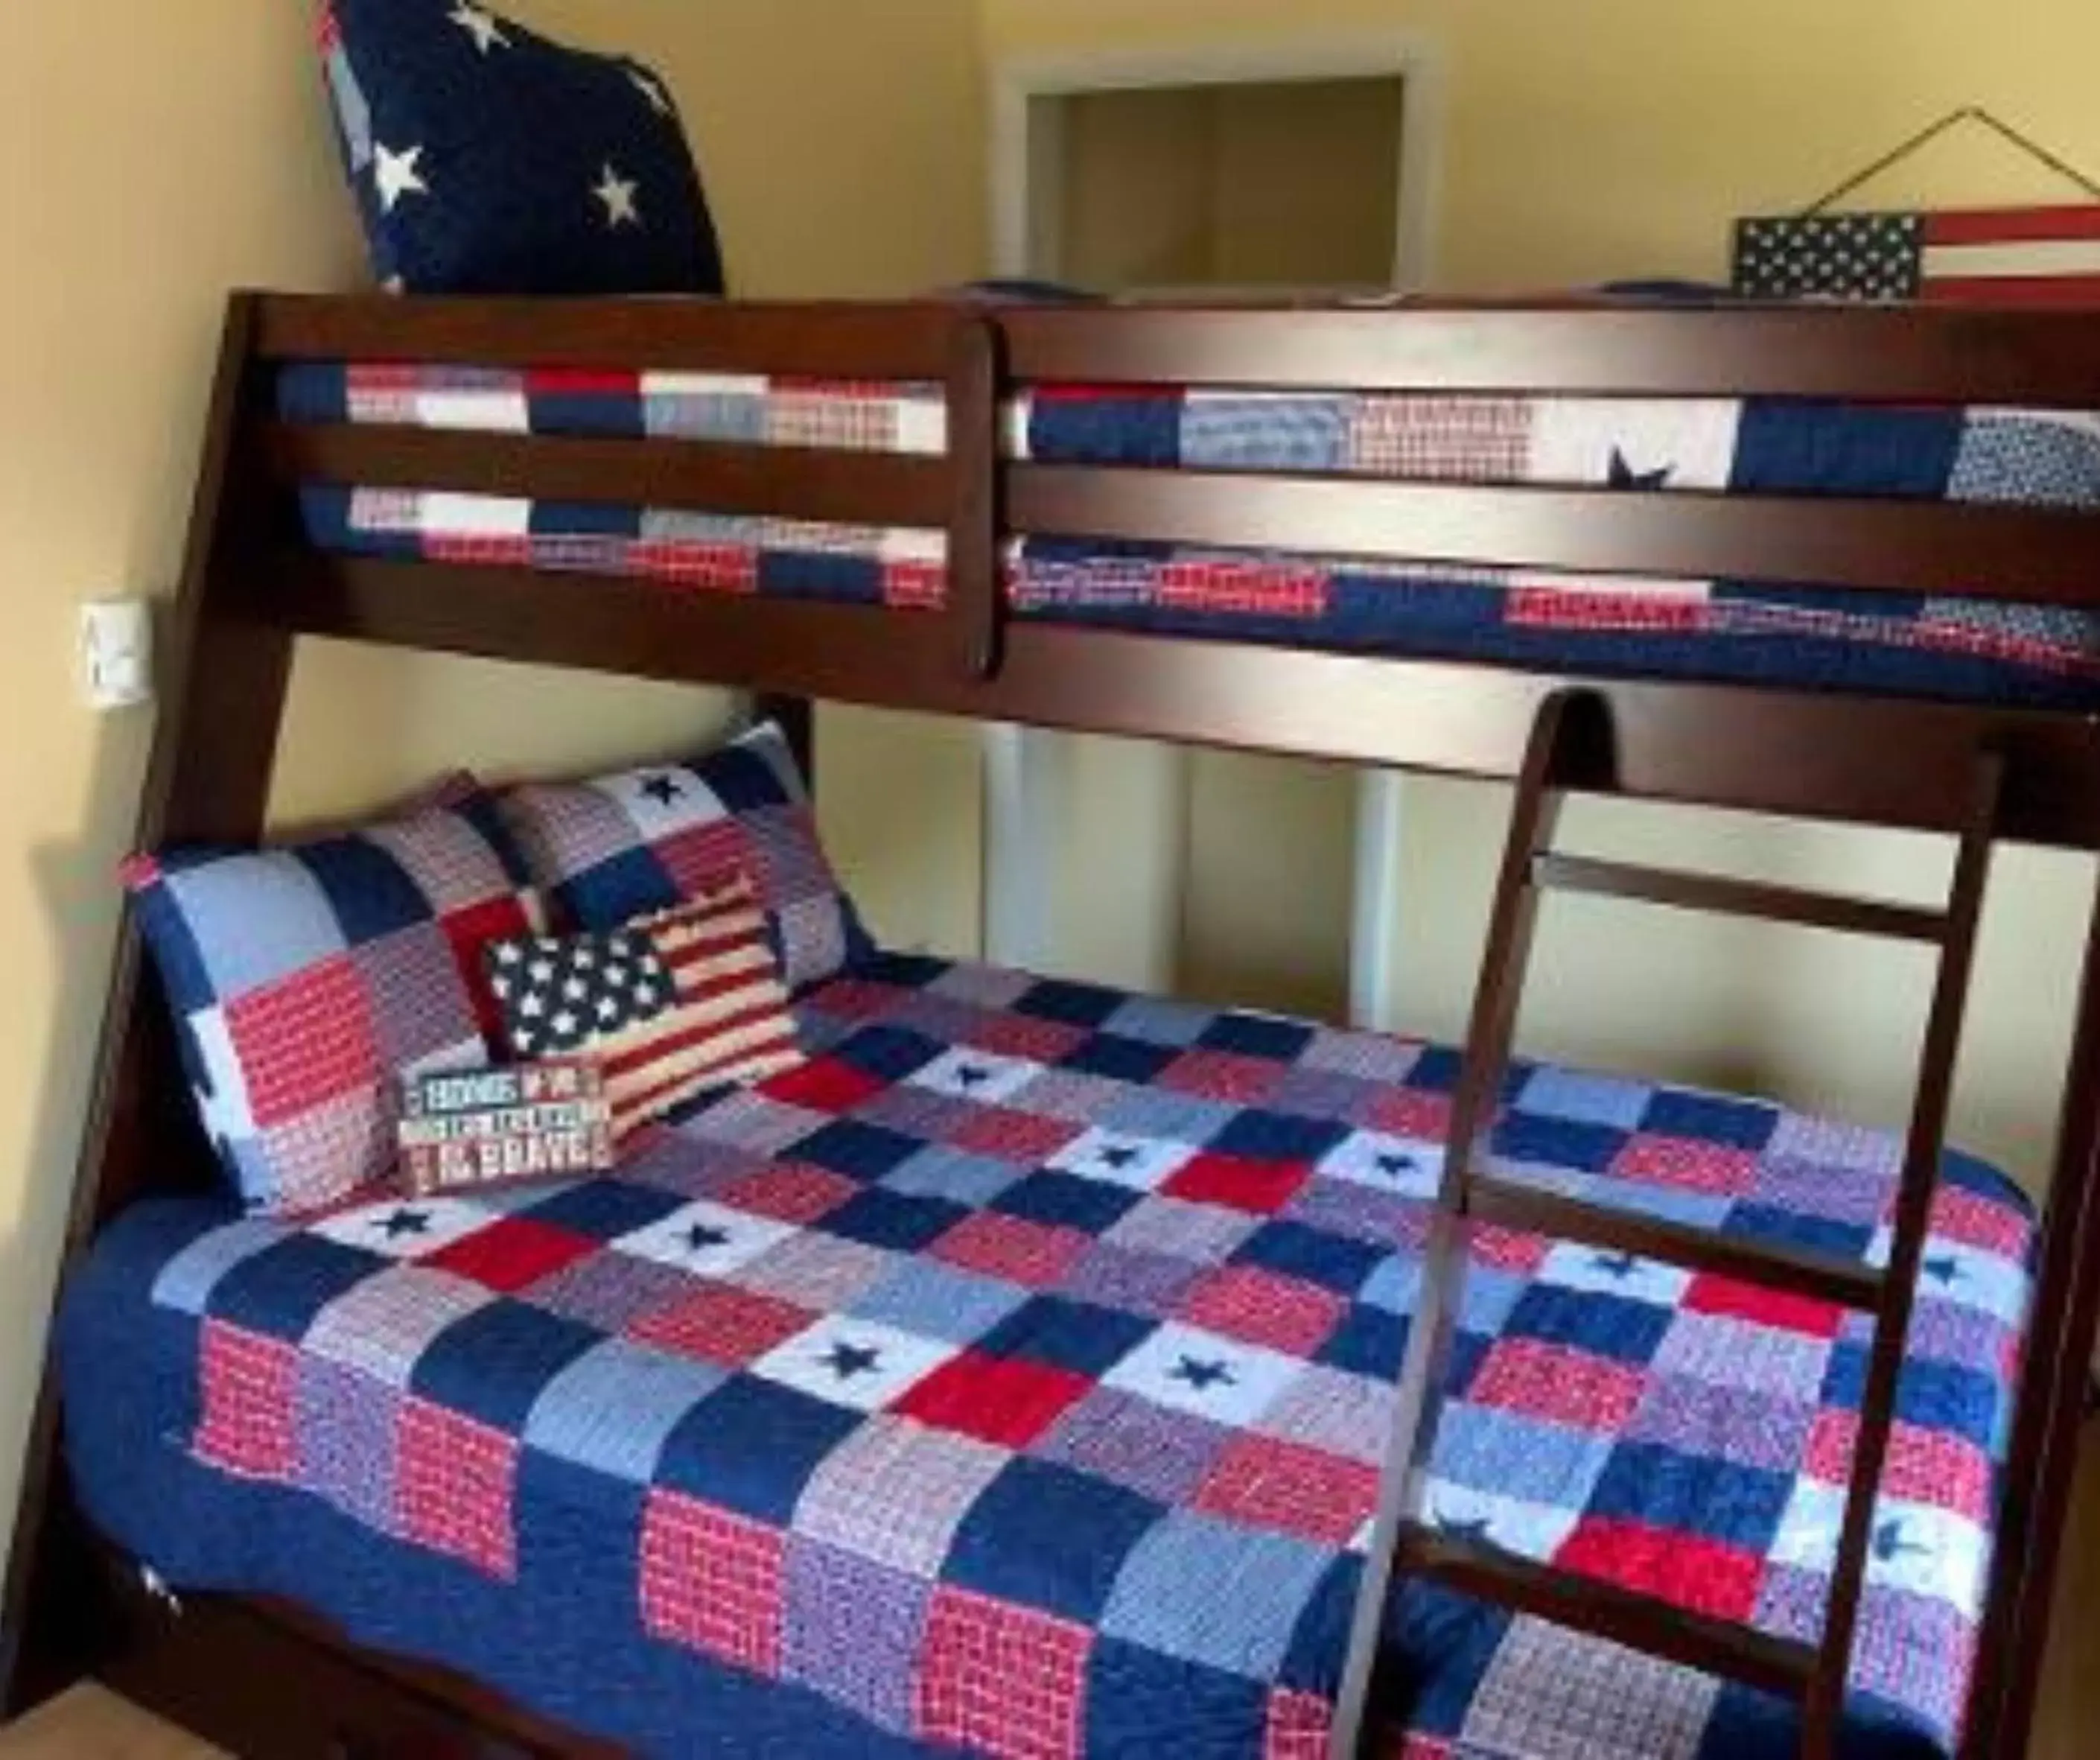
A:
[266,1678]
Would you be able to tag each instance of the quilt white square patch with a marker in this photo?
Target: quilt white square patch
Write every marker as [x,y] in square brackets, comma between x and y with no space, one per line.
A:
[475,411]
[1635,443]
[1966,1276]
[1188,1369]
[859,1364]
[1915,1548]
[1595,1272]
[1117,1157]
[1926,1550]
[400,1229]
[1809,1526]
[1530,1530]
[978,1075]
[705,1239]
[1406,1166]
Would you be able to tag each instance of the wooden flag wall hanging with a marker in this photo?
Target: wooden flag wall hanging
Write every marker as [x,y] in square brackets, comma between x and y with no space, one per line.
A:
[2041,256]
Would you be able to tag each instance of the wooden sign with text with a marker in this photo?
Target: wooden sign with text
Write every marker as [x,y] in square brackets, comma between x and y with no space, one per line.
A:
[465,1129]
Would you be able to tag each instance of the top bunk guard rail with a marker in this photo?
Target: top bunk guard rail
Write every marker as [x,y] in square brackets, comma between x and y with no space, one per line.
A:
[1576,349]
[814,341]
[1884,759]
[2045,359]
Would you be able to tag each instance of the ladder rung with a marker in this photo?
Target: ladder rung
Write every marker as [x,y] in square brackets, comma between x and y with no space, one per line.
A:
[1738,897]
[1819,1277]
[1715,1647]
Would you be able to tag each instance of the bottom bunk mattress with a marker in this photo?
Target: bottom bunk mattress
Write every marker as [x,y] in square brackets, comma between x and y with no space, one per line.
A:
[1013,1379]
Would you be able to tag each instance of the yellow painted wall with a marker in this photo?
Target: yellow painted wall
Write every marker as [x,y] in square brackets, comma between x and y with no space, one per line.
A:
[1581,143]
[1230,185]
[1308,189]
[1135,184]
[152,157]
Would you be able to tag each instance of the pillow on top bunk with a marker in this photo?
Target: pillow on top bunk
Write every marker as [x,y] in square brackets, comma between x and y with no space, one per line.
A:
[624,846]
[670,1008]
[486,159]
[306,979]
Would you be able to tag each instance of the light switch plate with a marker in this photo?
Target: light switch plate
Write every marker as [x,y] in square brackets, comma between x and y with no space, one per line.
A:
[116,658]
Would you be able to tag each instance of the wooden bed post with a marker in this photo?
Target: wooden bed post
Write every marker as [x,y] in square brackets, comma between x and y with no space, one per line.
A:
[2043,1460]
[796,717]
[214,752]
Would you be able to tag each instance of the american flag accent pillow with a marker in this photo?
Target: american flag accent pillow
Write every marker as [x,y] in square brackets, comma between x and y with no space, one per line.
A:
[670,1008]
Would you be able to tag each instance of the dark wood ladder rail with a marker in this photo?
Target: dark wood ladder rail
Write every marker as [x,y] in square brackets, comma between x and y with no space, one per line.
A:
[1571,750]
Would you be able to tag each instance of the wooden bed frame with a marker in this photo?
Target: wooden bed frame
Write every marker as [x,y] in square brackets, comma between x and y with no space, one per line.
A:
[265,1679]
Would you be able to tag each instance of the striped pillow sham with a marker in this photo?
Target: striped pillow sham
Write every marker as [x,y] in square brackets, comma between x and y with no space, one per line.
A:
[671,1007]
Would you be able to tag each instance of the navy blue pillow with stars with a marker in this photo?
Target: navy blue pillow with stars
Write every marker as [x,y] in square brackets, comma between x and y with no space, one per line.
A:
[487,160]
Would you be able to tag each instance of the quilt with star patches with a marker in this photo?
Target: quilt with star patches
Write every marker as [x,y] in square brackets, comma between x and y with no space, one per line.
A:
[1801,634]
[1012,1379]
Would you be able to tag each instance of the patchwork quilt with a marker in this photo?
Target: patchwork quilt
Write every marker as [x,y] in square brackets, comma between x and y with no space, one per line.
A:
[1015,1375]
[1937,646]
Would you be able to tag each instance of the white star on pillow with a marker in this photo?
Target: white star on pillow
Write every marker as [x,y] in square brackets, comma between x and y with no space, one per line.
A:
[486,33]
[397,174]
[618,194]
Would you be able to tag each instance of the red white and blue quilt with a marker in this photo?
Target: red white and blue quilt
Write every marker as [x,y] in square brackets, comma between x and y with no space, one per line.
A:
[1798,634]
[1014,1378]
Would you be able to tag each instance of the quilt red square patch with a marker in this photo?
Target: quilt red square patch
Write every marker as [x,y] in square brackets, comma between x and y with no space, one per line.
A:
[1263,1307]
[1001,1400]
[1239,1182]
[721,1323]
[791,1191]
[1026,1138]
[513,1253]
[1699,1575]
[456,1487]
[1263,1482]
[1224,1075]
[824,1084]
[1923,1466]
[714,1582]
[1689,1164]
[247,1382]
[994,1679]
[1777,1308]
[1035,1253]
[1566,1387]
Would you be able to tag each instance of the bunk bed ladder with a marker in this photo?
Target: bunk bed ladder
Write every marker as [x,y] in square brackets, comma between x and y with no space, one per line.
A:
[1571,750]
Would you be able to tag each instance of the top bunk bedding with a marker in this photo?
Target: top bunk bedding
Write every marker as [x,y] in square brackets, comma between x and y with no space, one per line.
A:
[1802,635]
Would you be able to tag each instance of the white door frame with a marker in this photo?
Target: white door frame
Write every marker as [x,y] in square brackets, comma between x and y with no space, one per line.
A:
[1022,807]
